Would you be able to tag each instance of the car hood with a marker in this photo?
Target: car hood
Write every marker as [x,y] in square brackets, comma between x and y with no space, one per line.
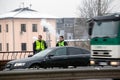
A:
[25,60]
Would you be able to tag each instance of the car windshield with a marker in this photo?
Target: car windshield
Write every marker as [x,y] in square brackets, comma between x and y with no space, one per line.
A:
[43,53]
[105,29]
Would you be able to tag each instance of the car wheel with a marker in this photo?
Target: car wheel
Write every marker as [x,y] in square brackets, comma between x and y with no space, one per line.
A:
[35,66]
[65,67]
[75,66]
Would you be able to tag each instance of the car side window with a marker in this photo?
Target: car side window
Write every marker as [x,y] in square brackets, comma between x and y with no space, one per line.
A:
[74,51]
[60,51]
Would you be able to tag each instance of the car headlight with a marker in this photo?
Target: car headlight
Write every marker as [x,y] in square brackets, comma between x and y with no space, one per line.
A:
[113,63]
[92,62]
[19,64]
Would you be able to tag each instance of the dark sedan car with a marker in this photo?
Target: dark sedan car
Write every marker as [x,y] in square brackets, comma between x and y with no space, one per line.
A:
[53,57]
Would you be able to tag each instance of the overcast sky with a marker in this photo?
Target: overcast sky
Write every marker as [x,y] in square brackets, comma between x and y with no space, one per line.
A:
[60,8]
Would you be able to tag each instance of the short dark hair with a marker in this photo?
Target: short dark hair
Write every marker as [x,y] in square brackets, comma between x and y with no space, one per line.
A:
[61,36]
[40,36]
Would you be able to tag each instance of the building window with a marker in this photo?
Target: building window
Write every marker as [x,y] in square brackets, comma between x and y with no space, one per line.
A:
[71,25]
[62,32]
[69,36]
[59,20]
[23,46]
[6,27]
[45,29]
[0,46]
[65,25]
[7,47]
[34,27]
[0,28]
[23,27]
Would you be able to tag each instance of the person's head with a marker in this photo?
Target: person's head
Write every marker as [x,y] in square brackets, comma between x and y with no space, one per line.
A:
[61,38]
[39,37]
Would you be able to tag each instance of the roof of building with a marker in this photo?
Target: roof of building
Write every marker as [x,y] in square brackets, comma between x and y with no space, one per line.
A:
[25,13]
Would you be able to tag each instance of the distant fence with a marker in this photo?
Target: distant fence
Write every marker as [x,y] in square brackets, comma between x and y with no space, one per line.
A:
[12,55]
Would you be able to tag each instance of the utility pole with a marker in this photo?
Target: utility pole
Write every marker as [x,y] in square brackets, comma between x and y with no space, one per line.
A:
[99,8]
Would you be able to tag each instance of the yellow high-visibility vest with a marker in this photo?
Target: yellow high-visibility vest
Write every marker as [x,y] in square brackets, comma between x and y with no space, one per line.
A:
[61,43]
[40,45]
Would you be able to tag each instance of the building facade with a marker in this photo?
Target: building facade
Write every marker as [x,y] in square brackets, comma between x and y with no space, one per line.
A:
[72,28]
[20,27]
[74,31]
[65,27]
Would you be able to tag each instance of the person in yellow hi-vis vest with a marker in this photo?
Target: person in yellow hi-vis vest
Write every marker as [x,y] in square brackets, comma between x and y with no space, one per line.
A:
[61,42]
[39,45]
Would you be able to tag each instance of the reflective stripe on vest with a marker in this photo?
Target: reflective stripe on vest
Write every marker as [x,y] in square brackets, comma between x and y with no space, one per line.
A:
[40,45]
[61,43]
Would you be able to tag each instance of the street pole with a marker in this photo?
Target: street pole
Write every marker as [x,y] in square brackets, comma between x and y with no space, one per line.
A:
[99,7]
[13,34]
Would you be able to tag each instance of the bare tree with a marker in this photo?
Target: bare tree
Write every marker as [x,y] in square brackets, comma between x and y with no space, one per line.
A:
[92,8]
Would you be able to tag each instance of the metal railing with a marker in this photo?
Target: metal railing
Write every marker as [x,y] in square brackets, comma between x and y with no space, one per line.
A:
[61,74]
[11,55]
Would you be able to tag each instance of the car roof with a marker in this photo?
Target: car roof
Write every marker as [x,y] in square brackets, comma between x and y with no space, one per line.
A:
[67,47]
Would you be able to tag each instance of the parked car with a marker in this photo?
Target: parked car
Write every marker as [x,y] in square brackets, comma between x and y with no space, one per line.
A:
[53,57]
